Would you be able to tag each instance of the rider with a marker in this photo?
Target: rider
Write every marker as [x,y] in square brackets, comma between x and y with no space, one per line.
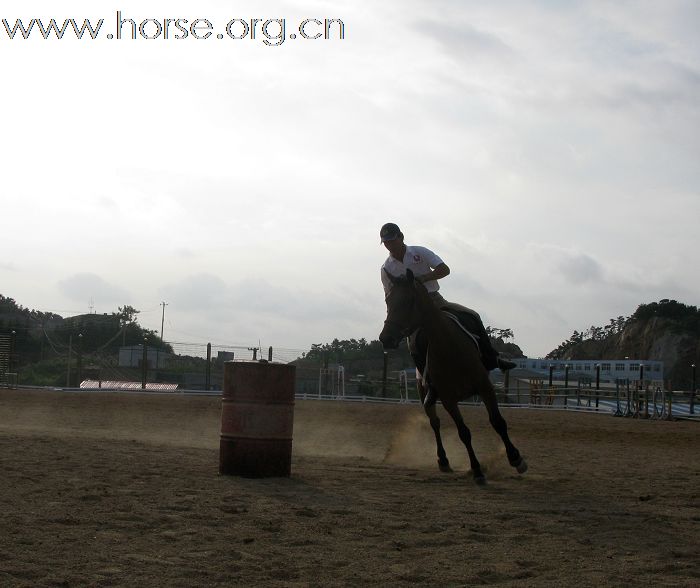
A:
[428,268]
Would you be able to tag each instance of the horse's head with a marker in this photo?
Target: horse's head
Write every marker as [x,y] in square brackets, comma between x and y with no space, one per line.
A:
[401,310]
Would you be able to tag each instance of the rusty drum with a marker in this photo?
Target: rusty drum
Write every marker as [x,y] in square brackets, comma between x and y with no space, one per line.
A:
[257,417]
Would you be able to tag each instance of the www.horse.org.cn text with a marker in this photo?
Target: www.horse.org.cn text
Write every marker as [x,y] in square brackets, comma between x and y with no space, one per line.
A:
[271,31]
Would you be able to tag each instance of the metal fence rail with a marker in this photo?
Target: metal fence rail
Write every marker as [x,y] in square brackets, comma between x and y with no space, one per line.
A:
[658,405]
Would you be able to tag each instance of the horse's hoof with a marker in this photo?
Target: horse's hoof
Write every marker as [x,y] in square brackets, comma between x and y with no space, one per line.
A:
[480,480]
[521,466]
[444,466]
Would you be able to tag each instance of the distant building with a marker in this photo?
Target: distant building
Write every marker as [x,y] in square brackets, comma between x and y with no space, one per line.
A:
[132,356]
[610,369]
[222,356]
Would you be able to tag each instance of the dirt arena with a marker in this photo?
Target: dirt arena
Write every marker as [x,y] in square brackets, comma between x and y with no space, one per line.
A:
[116,489]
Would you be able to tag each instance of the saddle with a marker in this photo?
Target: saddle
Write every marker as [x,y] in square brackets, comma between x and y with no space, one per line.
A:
[472,327]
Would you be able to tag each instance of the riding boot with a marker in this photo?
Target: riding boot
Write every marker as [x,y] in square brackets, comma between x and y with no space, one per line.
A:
[472,322]
[489,356]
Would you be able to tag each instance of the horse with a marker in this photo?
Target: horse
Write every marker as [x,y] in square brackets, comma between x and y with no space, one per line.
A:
[453,369]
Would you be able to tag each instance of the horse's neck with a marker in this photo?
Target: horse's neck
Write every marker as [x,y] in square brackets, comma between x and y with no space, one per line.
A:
[431,318]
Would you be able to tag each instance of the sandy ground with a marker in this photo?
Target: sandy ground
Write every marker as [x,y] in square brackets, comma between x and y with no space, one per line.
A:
[123,490]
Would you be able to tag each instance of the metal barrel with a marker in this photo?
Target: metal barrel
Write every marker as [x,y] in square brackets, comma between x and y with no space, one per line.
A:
[257,418]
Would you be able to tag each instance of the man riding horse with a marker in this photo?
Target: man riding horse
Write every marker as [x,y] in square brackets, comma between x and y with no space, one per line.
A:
[428,268]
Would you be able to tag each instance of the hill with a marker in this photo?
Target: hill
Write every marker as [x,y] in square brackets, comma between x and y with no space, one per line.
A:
[40,343]
[667,330]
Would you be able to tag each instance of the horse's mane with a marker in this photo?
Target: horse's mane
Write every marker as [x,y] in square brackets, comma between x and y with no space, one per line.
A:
[427,307]
[450,339]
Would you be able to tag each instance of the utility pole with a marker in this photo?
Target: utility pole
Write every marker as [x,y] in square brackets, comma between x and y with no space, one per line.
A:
[162,320]
[80,358]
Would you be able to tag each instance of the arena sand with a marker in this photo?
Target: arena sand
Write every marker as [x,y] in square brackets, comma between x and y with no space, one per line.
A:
[109,489]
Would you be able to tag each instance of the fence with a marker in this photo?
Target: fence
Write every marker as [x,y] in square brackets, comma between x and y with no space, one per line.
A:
[198,367]
[8,377]
[626,398]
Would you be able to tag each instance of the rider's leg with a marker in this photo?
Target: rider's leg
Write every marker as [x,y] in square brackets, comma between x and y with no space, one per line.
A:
[472,321]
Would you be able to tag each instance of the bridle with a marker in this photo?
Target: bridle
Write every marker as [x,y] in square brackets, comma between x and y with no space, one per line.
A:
[404,331]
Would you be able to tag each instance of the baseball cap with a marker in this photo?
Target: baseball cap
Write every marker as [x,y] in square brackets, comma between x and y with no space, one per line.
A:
[389,232]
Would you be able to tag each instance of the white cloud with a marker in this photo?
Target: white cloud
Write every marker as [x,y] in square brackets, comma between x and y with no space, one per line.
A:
[84,287]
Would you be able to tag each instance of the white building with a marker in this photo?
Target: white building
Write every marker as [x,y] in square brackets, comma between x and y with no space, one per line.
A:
[610,369]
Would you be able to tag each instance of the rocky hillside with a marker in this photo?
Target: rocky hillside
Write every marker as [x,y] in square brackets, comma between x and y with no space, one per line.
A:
[668,331]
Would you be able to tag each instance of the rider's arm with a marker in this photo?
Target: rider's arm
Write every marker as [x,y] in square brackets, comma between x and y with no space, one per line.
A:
[437,273]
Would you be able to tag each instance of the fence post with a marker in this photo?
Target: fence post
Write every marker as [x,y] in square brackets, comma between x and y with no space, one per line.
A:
[13,347]
[384,373]
[144,365]
[269,354]
[618,411]
[578,392]
[692,393]
[566,385]
[207,375]
[70,350]
[643,399]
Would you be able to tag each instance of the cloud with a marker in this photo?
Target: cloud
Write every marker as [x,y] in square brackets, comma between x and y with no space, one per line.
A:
[465,38]
[8,266]
[197,292]
[211,296]
[580,269]
[83,287]
[281,312]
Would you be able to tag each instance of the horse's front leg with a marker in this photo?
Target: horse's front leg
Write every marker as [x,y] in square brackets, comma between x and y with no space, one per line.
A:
[465,435]
[430,410]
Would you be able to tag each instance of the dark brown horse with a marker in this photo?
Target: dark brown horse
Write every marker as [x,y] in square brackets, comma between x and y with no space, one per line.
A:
[453,369]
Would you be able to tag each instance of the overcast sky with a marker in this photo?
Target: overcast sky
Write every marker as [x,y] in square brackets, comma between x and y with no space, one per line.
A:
[546,150]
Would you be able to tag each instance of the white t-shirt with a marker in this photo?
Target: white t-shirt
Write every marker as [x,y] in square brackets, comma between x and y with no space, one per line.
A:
[420,260]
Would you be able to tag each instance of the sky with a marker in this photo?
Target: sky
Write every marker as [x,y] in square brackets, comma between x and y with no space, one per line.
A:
[546,150]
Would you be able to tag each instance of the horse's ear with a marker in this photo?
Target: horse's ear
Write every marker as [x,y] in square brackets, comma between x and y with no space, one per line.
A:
[409,276]
[392,279]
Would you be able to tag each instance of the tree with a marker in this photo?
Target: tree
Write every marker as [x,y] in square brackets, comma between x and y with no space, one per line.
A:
[127,314]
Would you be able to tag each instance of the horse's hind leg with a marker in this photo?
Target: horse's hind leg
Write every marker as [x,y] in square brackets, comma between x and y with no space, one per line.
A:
[466,437]
[429,407]
[499,424]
